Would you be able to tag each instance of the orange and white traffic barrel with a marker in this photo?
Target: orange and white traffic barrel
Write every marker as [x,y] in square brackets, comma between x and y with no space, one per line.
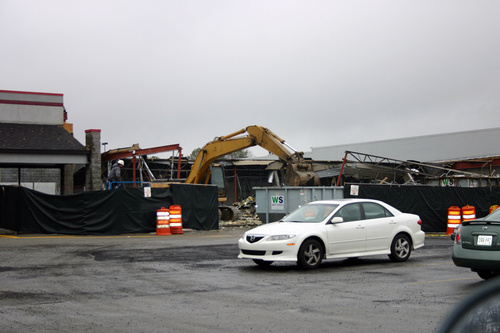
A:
[163,222]
[468,213]
[493,208]
[454,219]
[176,219]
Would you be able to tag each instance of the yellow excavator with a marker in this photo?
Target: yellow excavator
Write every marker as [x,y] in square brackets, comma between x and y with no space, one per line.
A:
[296,171]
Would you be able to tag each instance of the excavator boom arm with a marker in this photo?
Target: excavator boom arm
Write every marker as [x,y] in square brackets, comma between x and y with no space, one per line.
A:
[212,151]
[270,141]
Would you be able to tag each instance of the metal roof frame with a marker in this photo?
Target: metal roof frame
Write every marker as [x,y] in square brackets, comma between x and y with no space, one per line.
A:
[407,167]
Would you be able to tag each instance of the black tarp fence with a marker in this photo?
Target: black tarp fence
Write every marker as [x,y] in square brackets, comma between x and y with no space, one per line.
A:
[430,203]
[113,212]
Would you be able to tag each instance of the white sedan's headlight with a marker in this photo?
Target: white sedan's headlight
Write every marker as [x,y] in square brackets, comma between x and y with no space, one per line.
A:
[280,237]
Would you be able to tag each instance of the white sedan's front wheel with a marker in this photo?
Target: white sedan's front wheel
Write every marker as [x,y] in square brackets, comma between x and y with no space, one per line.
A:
[310,254]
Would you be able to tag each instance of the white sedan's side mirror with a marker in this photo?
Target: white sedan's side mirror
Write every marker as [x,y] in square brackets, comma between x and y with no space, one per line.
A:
[336,219]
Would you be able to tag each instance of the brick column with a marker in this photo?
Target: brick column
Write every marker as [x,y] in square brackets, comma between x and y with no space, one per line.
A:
[68,184]
[93,180]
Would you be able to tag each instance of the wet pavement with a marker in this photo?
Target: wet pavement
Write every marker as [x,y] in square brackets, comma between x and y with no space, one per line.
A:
[194,282]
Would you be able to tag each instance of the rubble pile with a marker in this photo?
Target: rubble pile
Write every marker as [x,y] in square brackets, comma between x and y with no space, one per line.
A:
[246,217]
[244,221]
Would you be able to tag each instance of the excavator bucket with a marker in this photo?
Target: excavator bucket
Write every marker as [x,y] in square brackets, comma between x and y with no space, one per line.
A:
[301,175]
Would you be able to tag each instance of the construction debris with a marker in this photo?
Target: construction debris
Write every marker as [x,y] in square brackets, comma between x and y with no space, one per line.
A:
[247,216]
[242,222]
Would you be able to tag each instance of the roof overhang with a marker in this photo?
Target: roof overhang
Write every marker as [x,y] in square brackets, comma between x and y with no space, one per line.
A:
[46,159]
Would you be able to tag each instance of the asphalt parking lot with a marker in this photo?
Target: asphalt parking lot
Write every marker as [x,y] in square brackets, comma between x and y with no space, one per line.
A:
[194,282]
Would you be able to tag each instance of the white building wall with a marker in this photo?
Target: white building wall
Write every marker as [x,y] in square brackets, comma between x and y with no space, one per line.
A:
[31,114]
[31,108]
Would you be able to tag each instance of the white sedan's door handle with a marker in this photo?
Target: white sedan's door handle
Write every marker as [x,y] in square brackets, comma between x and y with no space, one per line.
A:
[393,222]
[360,227]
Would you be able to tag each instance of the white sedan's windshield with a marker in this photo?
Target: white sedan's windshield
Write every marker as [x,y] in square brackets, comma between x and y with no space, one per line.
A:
[311,213]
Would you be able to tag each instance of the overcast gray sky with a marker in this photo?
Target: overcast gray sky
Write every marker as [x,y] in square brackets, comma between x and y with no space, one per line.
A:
[317,73]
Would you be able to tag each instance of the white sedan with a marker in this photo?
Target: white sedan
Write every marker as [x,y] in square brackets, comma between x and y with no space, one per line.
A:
[328,229]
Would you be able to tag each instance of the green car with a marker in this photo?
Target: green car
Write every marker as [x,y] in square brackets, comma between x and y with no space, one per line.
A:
[477,245]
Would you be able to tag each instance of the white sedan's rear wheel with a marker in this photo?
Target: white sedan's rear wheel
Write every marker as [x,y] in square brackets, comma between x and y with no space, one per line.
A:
[400,248]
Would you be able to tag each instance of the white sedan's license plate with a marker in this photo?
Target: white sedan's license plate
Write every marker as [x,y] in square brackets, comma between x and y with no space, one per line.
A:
[484,240]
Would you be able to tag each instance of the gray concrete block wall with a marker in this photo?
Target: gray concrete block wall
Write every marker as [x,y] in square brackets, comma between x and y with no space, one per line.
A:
[31,175]
[9,175]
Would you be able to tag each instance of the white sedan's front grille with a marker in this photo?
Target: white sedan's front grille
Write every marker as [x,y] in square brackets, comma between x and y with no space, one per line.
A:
[254,238]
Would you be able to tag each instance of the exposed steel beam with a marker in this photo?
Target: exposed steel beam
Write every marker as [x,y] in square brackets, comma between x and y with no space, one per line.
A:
[139,152]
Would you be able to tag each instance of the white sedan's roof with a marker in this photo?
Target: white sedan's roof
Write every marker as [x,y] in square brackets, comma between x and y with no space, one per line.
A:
[343,201]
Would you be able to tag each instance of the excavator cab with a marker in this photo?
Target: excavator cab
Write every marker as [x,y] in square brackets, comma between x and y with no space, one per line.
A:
[217,178]
[226,213]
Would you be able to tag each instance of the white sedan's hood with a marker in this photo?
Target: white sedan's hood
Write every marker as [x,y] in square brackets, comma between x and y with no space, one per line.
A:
[281,228]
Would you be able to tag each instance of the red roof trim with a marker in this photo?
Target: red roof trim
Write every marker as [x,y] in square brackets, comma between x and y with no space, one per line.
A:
[29,93]
[4,101]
